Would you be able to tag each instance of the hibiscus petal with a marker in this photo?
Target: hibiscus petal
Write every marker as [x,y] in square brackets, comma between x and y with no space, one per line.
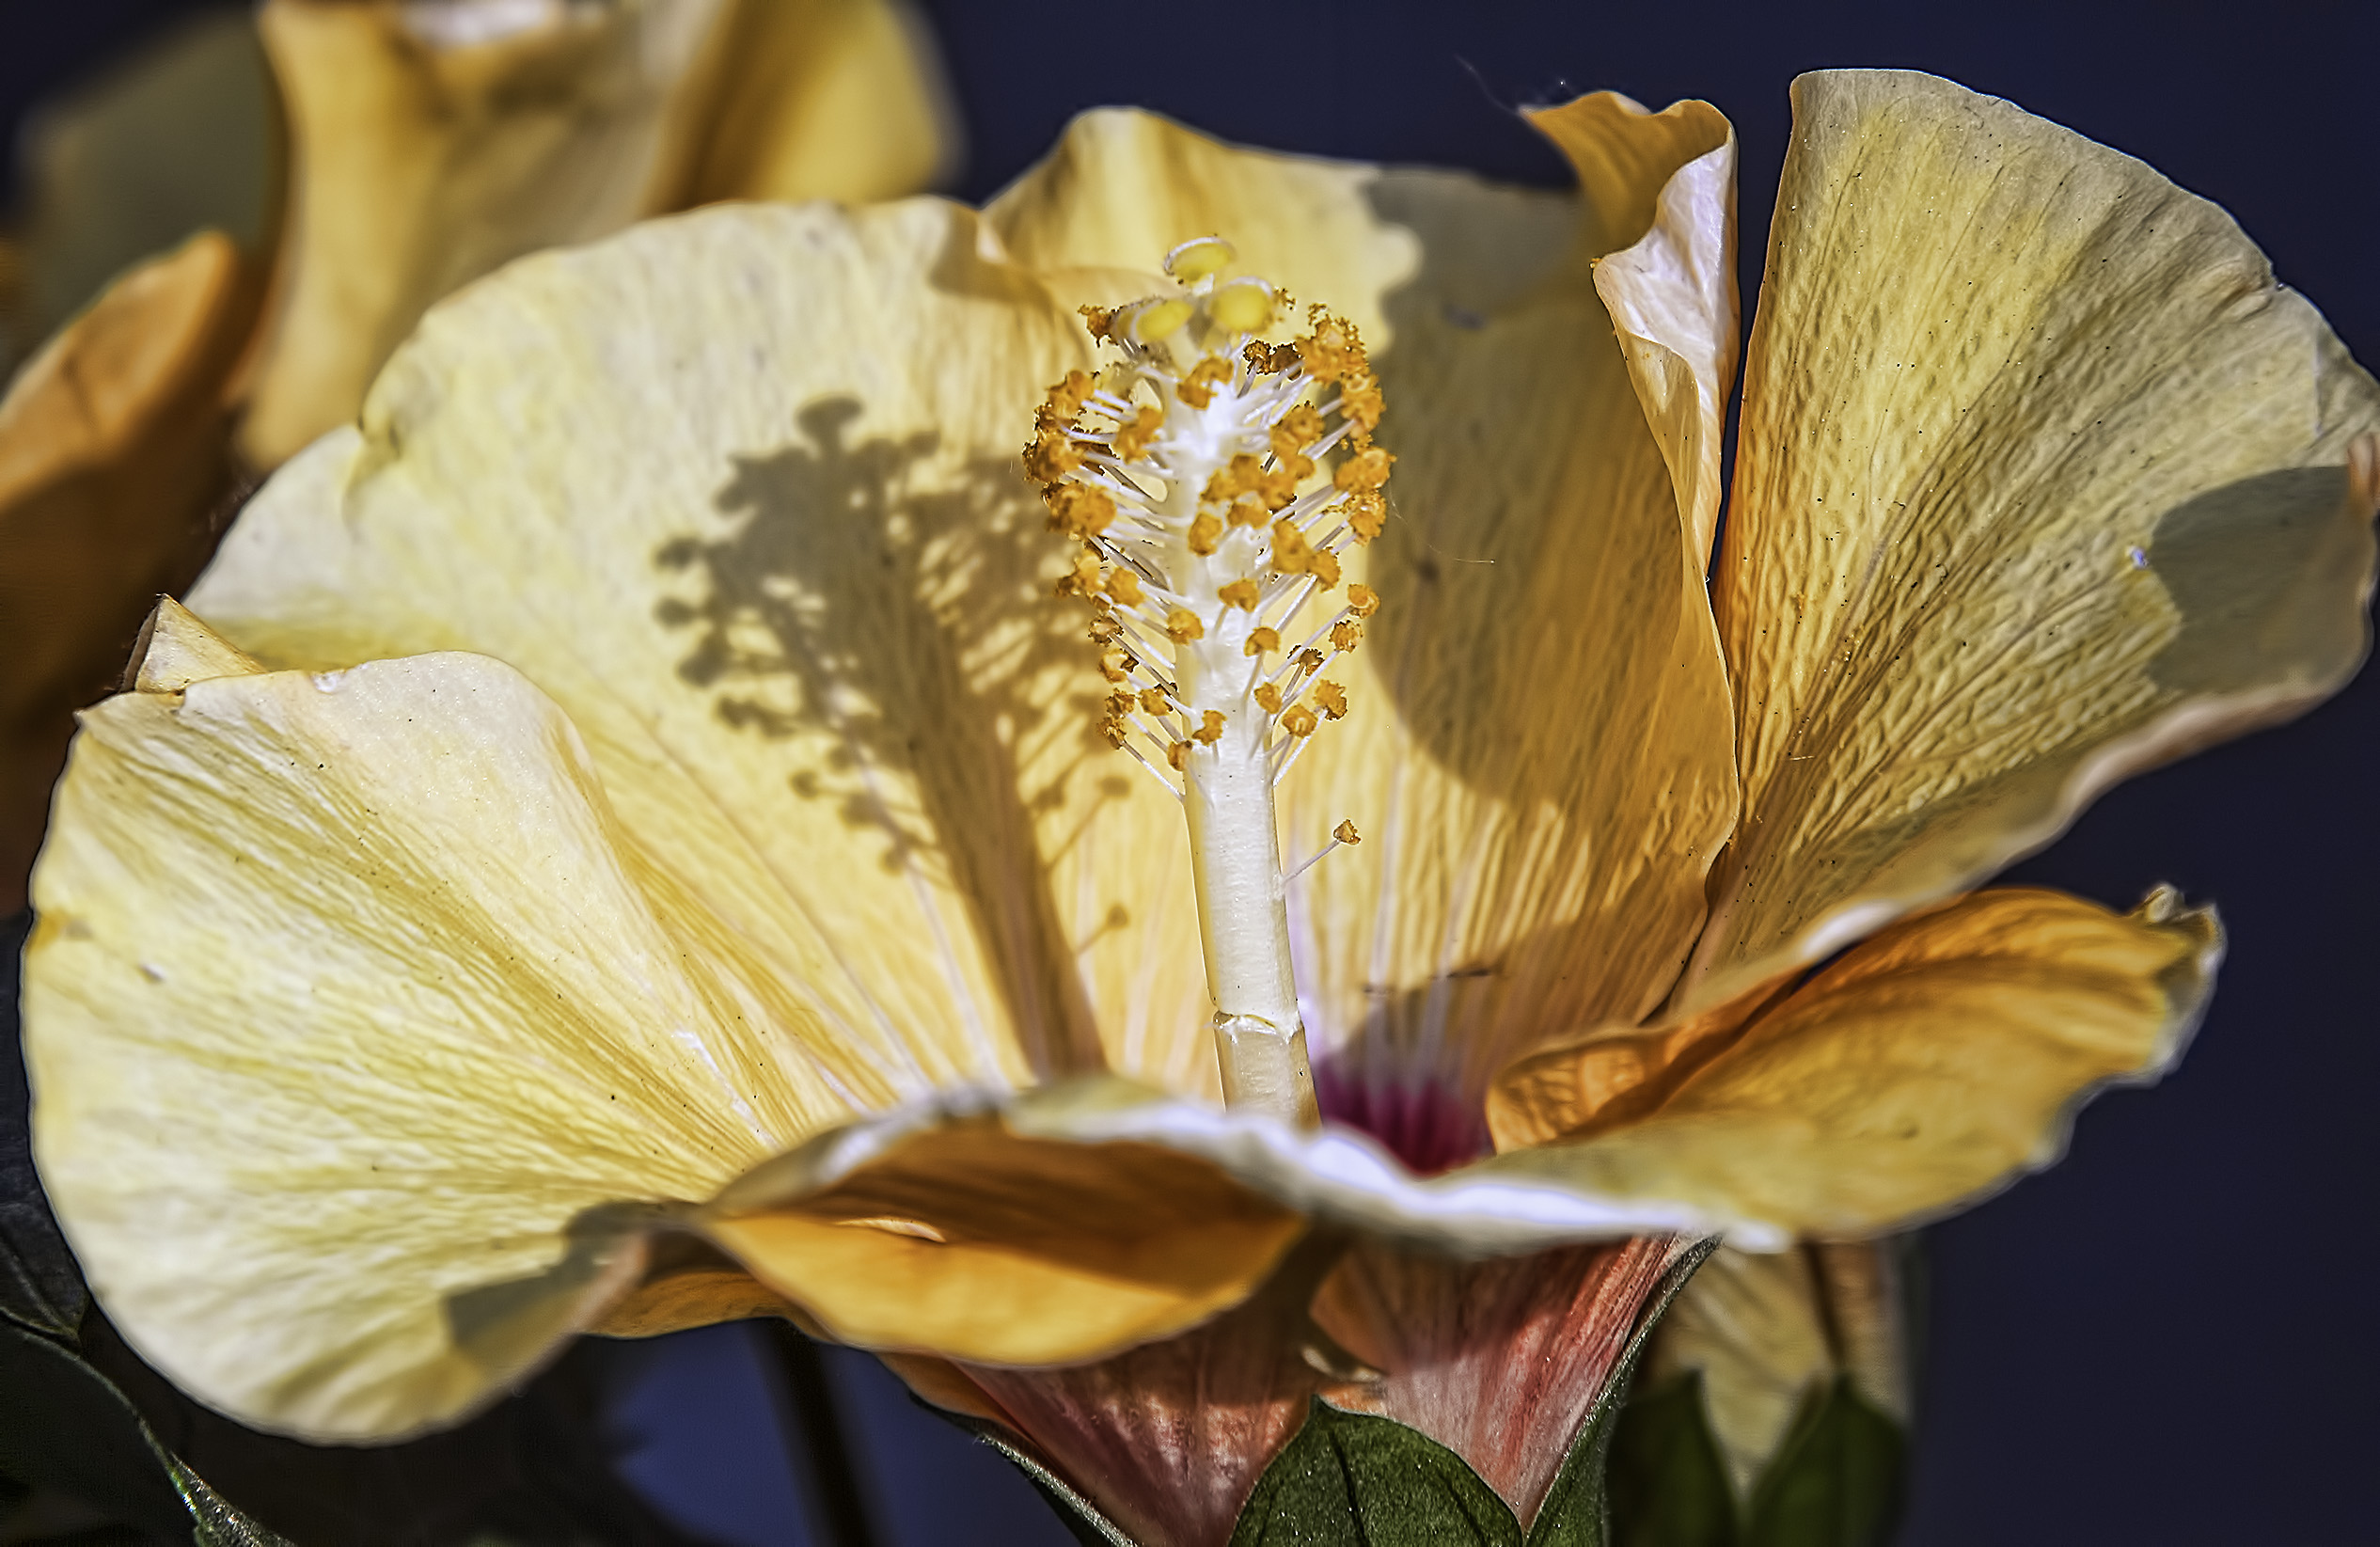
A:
[741,491]
[1539,756]
[1123,187]
[2042,480]
[816,99]
[1923,1070]
[112,456]
[178,138]
[434,142]
[360,1055]
[954,1230]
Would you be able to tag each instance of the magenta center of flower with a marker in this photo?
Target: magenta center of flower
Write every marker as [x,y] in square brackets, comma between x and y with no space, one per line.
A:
[1429,1129]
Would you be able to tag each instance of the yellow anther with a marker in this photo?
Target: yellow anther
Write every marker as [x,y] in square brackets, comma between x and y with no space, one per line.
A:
[1271,359]
[1182,625]
[1197,388]
[1242,306]
[1361,402]
[1050,457]
[1152,322]
[1261,641]
[1296,430]
[1279,486]
[1298,720]
[1115,665]
[1366,470]
[1332,698]
[1333,351]
[1211,729]
[1197,257]
[1104,628]
[1250,512]
[1176,755]
[1241,593]
[1124,586]
[1362,599]
[1115,732]
[1325,565]
[1241,475]
[1153,700]
[1344,832]
[1346,633]
[1365,514]
[1082,578]
[1132,441]
[1309,660]
[1079,509]
[1099,322]
[1066,400]
[1268,698]
[1291,553]
[1206,534]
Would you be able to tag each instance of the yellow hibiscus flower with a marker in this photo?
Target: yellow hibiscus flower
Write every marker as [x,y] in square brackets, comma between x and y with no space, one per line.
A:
[631,844]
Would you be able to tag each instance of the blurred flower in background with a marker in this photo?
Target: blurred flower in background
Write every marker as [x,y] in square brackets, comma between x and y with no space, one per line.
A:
[220,241]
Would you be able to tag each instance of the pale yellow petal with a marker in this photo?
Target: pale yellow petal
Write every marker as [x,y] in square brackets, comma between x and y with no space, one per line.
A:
[1672,290]
[432,143]
[812,99]
[2042,480]
[1925,1068]
[1123,188]
[741,491]
[1538,754]
[360,1058]
[113,456]
[176,139]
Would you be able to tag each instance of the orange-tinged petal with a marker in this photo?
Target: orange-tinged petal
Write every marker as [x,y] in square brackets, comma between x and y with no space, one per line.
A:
[1924,1069]
[2042,480]
[969,1240]
[112,457]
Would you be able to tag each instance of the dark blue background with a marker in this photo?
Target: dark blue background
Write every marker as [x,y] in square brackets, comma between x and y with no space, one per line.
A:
[2168,1339]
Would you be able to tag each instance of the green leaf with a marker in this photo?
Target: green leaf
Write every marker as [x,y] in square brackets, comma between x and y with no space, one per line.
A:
[1349,1479]
[1080,1517]
[215,1523]
[41,1288]
[1577,1509]
[1668,1483]
[65,1427]
[1836,1480]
